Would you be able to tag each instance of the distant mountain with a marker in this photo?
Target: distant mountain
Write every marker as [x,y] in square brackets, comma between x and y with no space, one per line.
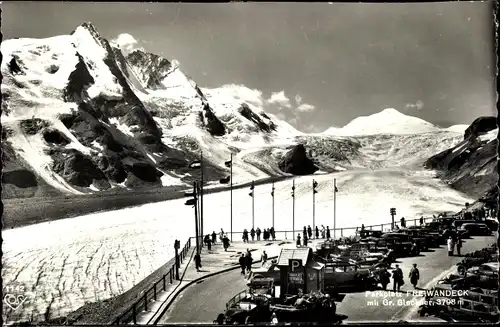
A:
[458,128]
[81,117]
[388,121]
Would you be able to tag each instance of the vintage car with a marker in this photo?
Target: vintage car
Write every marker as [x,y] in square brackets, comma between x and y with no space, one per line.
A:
[485,271]
[401,244]
[491,223]
[437,235]
[247,308]
[424,242]
[268,270]
[474,229]
[369,233]
[342,275]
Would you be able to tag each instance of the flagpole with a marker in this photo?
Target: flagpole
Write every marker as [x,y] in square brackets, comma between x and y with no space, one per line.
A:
[314,208]
[334,208]
[293,209]
[201,203]
[231,192]
[253,208]
[272,194]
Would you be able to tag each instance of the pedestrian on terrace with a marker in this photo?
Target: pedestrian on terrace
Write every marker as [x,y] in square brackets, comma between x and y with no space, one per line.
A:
[249,261]
[263,258]
[252,234]
[323,231]
[459,245]
[245,236]
[273,233]
[403,222]
[225,242]
[317,232]
[197,261]
[421,220]
[258,232]
[214,237]
[306,239]
[221,234]
[362,227]
[309,232]
[328,232]
[450,246]
[209,243]
[304,231]
[414,275]
[265,234]
[243,264]
[397,276]
[298,240]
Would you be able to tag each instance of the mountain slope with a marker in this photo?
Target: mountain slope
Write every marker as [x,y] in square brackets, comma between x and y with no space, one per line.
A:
[471,165]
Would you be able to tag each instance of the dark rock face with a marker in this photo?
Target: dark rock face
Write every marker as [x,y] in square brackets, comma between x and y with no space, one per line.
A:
[55,137]
[214,126]
[77,169]
[153,66]
[246,112]
[296,162]
[480,126]
[78,80]
[22,178]
[145,172]
[33,126]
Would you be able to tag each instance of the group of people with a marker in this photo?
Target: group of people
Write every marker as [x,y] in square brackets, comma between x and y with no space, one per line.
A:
[308,234]
[210,239]
[398,277]
[246,261]
[267,235]
[454,241]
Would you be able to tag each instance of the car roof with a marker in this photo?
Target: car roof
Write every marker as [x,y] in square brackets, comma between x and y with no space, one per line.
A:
[470,224]
[493,265]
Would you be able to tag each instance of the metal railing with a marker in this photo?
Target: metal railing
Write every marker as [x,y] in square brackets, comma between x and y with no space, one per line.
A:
[340,232]
[237,298]
[151,294]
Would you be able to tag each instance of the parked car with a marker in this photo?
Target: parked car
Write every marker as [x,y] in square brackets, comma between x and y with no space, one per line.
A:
[344,275]
[491,223]
[401,244]
[474,229]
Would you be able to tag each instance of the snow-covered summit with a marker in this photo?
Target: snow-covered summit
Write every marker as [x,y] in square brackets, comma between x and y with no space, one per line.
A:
[387,121]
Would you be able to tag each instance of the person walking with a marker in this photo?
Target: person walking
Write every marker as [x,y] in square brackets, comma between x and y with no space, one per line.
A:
[206,239]
[225,242]
[421,220]
[385,278]
[403,222]
[221,234]
[245,236]
[209,243]
[309,232]
[306,239]
[328,232]
[414,275]
[249,261]
[214,237]
[197,261]
[317,232]
[323,231]
[252,234]
[263,258]
[258,232]
[298,240]
[265,234]
[459,245]
[273,233]
[397,276]
[243,264]
[304,231]
[450,246]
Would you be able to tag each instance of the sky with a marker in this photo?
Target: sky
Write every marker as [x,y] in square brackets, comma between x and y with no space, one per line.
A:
[316,65]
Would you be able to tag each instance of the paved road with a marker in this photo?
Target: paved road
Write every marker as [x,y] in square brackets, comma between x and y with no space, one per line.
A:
[202,302]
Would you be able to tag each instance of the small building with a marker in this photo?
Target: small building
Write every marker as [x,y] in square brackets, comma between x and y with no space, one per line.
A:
[299,270]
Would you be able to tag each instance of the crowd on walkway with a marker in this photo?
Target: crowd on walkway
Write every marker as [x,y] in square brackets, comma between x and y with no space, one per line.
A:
[267,235]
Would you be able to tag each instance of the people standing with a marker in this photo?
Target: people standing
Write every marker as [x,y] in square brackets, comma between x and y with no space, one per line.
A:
[421,220]
[362,227]
[450,246]
[225,242]
[317,232]
[243,263]
[323,231]
[265,234]
[263,258]
[305,240]
[273,233]
[209,243]
[385,278]
[197,261]
[304,231]
[459,245]
[258,232]
[252,234]
[309,232]
[414,275]
[298,240]
[397,276]
[403,222]
[328,232]
[221,234]
[214,237]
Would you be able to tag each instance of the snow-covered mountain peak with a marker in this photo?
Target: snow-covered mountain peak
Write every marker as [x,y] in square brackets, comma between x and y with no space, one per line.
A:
[387,121]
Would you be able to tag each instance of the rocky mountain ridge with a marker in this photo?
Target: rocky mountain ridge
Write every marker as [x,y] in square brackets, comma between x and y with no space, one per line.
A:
[81,117]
